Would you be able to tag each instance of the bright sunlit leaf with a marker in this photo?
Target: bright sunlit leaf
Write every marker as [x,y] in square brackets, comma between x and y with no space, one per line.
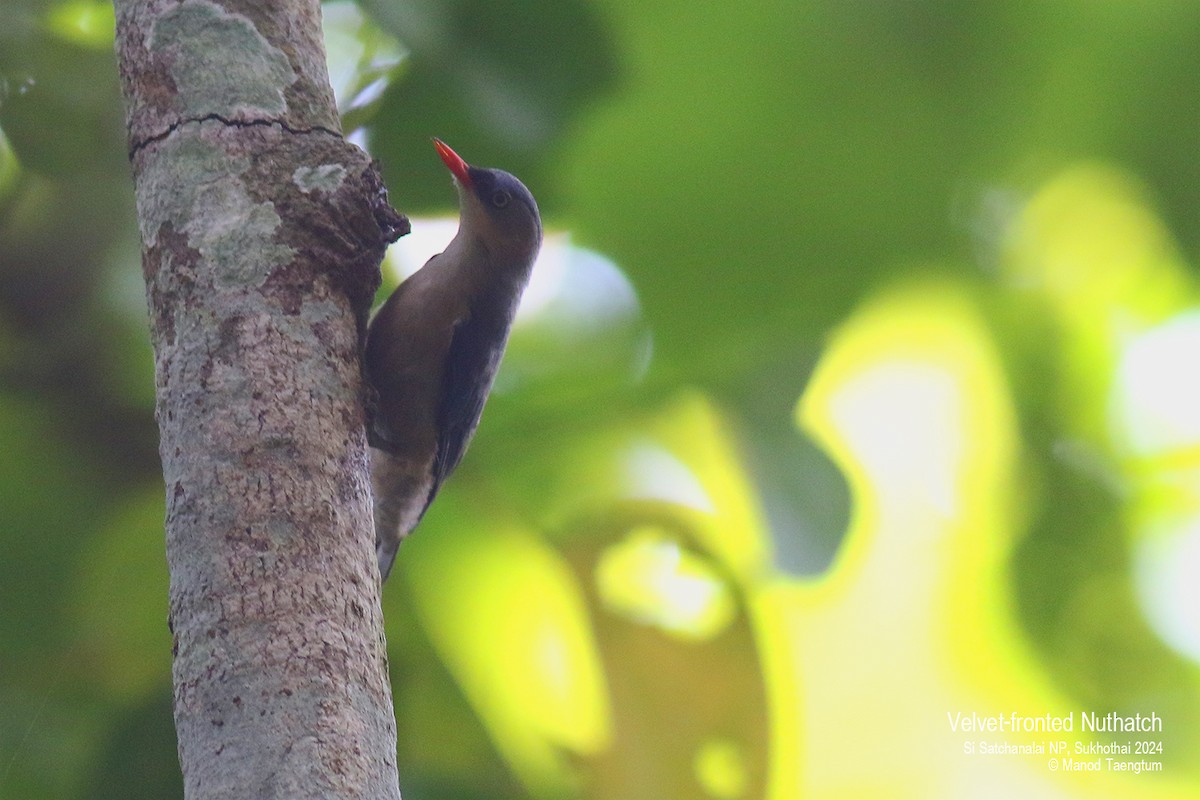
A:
[84,22]
[1167,569]
[10,167]
[653,472]
[1156,407]
[1091,248]
[509,620]
[695,433]
[651,578]
[1092,242]
[915,617]
[362,59]
[921,458]
[720,769]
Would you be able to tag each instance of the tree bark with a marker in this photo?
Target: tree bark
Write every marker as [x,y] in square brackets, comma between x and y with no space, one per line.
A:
[262,232]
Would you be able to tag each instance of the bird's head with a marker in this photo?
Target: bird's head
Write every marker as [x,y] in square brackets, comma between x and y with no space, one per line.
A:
[496,208]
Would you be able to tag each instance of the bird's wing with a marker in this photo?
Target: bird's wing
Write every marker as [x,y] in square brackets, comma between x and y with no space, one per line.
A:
[470,368]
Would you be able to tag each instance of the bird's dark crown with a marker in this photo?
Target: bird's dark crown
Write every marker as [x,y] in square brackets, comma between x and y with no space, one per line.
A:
[503,195]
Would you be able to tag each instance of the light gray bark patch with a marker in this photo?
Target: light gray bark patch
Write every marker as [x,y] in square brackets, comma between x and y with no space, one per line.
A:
[170,182]
[241,238]
[326,178]
[319,315]
[219,61]
[197,186]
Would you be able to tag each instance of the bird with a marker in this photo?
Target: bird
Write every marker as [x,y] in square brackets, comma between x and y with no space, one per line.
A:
[433,348]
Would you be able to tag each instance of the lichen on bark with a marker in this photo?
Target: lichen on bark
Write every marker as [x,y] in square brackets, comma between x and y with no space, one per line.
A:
[200,39]
[199,187]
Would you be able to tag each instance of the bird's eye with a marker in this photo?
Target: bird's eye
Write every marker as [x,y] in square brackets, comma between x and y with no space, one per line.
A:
[500,199]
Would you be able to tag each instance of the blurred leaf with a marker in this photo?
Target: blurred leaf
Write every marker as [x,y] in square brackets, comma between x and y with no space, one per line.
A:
[507,620]
[10,169]
[48,500]
[89,23]
[498,81]
[752,209]
[45,735]
[120,602]
[689,713]
[363,60]
[518,629]
[747,220]
[1073,584]
[48,82]
[444,752]
[805,497]
[139,759]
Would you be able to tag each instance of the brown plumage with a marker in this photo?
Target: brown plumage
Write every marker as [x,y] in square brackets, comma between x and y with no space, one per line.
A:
[434,347]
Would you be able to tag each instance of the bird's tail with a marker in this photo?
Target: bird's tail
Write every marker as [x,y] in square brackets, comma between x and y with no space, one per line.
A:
[400,491]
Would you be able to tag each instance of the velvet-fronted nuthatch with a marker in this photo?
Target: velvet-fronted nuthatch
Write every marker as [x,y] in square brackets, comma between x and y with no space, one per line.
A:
[433,348]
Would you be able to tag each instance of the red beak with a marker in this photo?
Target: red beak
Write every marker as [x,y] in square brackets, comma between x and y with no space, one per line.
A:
[453,161]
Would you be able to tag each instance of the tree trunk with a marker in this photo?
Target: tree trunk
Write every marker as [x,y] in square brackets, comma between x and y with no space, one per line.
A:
[262,232]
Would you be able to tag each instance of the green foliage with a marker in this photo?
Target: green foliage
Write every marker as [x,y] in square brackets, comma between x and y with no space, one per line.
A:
[830,428]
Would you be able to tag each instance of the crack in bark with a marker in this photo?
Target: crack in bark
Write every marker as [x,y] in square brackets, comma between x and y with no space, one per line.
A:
[232,123]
